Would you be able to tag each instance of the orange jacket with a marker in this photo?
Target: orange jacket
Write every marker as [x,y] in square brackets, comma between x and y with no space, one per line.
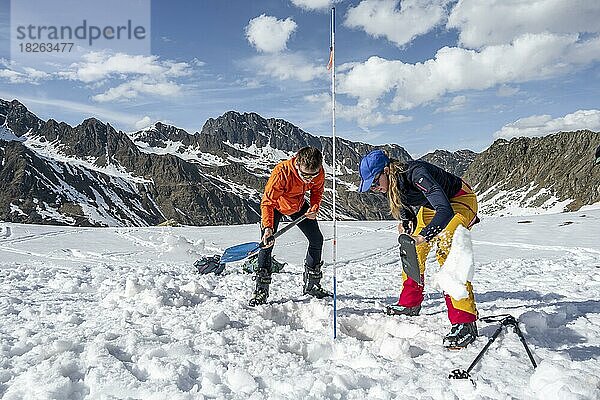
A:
[285,192]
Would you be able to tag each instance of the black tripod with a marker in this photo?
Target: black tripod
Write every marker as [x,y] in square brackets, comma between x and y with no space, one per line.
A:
[505,320]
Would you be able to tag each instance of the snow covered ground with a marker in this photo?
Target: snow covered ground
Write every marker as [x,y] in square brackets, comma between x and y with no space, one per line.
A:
[118,313]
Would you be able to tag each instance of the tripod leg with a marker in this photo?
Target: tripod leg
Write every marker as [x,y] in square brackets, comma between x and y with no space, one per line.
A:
[518,331]
[482,352]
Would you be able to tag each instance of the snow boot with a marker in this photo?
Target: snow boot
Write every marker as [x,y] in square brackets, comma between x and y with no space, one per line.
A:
[261,292]
[397,309]
[460,336]
[312,282]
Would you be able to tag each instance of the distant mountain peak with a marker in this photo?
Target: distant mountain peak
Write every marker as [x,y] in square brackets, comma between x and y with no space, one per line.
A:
[455,162]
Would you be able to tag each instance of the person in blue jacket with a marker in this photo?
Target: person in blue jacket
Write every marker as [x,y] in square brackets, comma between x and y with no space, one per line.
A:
[442,202]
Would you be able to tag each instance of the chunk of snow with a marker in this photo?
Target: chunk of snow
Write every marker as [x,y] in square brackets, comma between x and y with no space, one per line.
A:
[240,381]
[218,321]
[459,266]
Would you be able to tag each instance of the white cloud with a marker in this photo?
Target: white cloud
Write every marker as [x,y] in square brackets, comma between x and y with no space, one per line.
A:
[455,104]
[507,91]
[373,78]
[137,87]
[313,4]
[493,22]
[97,66]
[142,75]
[529,57]
[26,75]
[269,34]
[143,123]
[35,74]
[198,63]
[288,66]
[398,21]
[540,125]
[364,113]
[12,76]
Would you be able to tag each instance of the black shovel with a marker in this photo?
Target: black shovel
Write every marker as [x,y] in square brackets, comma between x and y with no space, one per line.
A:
[408,255]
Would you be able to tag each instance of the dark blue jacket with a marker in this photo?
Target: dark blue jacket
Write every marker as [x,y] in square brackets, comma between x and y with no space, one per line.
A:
[425,185]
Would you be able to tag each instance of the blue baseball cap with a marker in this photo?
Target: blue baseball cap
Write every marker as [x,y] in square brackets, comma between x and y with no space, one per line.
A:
[371,165]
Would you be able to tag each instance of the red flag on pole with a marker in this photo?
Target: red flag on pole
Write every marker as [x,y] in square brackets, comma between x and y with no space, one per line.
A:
[330,63]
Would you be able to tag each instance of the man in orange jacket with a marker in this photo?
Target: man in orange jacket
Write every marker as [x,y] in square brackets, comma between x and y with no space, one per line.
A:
[284,195]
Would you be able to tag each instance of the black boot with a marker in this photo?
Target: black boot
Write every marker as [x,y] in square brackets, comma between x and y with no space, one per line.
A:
[397,309]
[460,336]
[312,282]
[261,293]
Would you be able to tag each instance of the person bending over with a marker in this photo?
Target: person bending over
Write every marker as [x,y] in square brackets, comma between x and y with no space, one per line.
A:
[444,202]
[284,195]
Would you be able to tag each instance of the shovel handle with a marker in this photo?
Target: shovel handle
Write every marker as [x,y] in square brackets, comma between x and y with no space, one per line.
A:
[289,226]
[285,229]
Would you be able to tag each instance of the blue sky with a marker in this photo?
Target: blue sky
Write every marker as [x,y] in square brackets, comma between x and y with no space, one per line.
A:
[426,74]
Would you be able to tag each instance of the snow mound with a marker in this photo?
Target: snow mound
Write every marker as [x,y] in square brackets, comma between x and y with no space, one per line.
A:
[557,379]
[240,381]
[218,321]
[179,248]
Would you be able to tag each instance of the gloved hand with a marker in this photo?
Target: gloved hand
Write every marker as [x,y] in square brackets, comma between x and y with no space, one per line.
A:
[267,238]
[312,212]
[405,226]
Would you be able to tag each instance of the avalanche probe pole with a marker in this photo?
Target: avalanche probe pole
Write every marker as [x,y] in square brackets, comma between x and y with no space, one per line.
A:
[334,166]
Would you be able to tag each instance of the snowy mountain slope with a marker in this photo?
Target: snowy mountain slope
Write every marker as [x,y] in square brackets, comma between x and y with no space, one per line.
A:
[47,189]
[537,174]
[92,174]
[118,313]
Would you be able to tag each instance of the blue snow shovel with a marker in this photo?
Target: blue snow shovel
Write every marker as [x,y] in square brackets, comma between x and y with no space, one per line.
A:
[241,251]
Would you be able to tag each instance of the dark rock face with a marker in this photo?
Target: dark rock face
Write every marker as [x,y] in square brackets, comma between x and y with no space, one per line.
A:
[39,190]
[455,163]
[529,172]
[251,129]
[17,117]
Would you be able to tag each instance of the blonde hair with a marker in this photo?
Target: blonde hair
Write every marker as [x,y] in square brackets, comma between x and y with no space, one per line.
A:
[396,168]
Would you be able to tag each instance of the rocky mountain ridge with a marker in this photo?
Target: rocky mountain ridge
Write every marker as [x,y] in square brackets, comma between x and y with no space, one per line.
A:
[555,172]
[454,162]
[92,174]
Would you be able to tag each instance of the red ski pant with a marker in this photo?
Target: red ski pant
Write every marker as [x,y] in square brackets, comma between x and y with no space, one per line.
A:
[465,209]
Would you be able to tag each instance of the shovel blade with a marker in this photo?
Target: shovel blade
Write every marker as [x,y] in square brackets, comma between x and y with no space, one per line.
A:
[239,252]
[408,255]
